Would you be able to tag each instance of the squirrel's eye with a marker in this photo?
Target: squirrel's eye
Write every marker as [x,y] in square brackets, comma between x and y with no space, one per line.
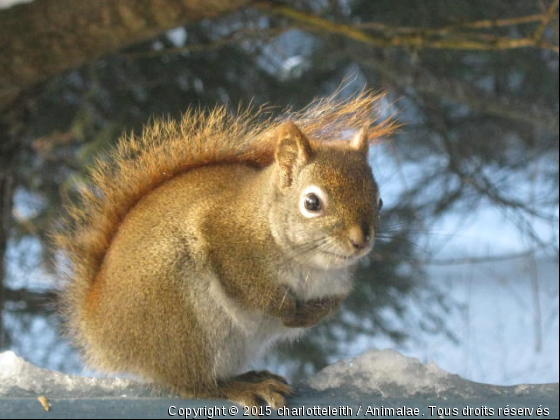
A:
[312,202]
[380,205]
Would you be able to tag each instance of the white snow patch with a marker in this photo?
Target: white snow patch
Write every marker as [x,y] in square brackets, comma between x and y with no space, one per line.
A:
[19,379]
[387,373]
[381,371]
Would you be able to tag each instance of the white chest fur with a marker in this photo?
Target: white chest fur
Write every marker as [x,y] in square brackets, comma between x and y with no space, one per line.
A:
[314,283]
[246,335]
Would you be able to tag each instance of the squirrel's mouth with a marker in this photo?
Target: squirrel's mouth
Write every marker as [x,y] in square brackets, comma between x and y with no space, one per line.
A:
[337,255]
[353,254]
[327,256]
[345,259]
[331,259]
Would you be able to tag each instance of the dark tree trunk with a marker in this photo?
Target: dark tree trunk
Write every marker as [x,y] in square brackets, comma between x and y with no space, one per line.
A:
[10,149]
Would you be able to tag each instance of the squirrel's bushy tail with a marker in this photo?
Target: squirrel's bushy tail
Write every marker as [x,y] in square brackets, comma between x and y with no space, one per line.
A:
[139,164]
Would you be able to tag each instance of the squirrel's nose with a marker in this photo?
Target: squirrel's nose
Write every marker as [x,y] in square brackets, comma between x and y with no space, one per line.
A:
[359,236]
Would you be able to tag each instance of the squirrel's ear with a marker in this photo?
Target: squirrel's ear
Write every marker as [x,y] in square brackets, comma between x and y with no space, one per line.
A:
[360,141]
[292,151]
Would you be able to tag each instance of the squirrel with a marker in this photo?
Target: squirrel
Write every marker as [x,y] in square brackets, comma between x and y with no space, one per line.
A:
[202,242]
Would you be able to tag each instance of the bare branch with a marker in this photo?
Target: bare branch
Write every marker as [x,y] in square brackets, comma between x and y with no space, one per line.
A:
[479,24]
[415,40]
[552,11]
[533,114]
[32,301]
[481,260]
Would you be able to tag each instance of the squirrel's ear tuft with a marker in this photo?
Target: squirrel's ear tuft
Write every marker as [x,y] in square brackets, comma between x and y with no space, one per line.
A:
[292,151]
[360,141]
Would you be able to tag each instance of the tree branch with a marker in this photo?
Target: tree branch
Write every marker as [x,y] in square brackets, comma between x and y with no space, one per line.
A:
[481,260]
[34,301]
[552,11]
[479,24]
[466,41]
[44,38]
[534,114]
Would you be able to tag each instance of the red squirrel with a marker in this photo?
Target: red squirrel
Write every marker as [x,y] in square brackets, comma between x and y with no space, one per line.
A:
[203,242]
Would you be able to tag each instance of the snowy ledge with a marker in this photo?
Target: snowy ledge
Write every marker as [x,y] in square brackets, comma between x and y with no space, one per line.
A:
[377,384]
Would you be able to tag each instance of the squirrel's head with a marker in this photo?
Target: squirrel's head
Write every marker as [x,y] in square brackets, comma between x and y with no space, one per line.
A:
[327,200]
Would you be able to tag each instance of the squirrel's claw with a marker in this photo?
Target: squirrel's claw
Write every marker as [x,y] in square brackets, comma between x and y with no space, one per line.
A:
[270,391]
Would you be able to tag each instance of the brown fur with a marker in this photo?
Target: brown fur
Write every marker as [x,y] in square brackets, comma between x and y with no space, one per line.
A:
[128,304]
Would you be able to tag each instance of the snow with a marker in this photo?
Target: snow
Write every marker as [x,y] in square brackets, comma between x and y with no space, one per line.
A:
[20,379]
[389,374]
[384,373]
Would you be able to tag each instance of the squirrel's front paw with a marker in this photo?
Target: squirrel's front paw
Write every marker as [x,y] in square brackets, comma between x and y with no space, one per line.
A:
[311,312]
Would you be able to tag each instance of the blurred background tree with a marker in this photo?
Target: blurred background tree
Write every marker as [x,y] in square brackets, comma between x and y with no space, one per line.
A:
[475,83]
